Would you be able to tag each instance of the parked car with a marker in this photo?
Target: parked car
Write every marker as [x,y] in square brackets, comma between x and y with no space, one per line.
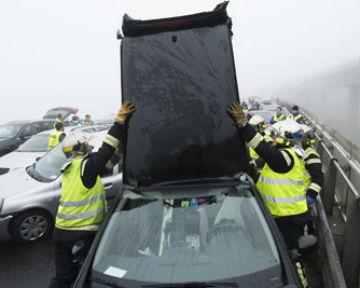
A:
[67,113]
[29,196]
[14,133]
[214,233]
[35,147]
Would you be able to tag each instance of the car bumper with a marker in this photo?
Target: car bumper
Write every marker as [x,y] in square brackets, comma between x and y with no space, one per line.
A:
[4,222]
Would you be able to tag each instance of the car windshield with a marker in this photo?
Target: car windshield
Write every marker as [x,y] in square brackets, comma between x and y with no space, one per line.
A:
[37,143]
[9,131]
[217,235]
[49,166]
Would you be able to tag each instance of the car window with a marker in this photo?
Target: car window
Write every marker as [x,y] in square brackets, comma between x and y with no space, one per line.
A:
[30,130]
[50,164]
[175,240]
[46,125]
[37,143]
[8,131]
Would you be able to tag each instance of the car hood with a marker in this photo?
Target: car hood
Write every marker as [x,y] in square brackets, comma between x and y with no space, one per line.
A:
[18,159]
[15,182]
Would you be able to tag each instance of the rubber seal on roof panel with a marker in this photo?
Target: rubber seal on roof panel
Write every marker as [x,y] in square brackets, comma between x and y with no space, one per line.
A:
[218,16]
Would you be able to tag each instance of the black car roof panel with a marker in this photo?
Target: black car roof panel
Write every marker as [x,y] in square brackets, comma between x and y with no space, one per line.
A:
[181,83]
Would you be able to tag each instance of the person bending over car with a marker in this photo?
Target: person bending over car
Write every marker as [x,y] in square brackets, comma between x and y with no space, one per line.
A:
[83,206]
[281,182]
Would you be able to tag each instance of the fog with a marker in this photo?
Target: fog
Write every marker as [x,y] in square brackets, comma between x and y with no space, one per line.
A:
[65,53]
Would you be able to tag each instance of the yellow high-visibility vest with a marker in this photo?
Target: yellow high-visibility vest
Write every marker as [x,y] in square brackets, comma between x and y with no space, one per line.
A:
[277,119]
[54,139]
[80,208]
[296,118]
[284,193]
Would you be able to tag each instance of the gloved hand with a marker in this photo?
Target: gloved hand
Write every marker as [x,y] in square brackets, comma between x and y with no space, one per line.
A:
[238,114]
[310,201]
[126,109]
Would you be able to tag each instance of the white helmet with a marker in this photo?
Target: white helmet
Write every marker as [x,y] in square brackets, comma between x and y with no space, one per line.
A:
[256,120]
[75,143]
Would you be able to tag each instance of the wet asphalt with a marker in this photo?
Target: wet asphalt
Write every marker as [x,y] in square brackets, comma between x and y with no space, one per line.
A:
[26,265]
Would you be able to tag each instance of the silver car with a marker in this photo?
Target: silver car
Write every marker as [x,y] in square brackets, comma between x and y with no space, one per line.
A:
[29,196]
[35,147]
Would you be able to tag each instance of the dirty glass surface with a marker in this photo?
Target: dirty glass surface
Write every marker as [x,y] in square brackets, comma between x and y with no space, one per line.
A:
[217,235]
[181,83]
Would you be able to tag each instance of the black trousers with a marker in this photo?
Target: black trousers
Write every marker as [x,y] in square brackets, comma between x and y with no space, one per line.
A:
[292,227]
[66,269]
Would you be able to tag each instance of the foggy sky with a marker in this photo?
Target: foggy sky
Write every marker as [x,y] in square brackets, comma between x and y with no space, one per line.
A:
[65,53]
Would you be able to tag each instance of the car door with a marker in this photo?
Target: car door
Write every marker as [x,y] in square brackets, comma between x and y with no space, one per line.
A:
[24,134]
[46,125]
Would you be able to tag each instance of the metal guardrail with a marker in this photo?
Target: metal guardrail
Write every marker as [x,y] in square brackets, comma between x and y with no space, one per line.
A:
[331,266]
[339,192]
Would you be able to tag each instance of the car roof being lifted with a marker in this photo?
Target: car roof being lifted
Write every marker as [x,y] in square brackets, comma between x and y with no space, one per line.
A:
[181,83]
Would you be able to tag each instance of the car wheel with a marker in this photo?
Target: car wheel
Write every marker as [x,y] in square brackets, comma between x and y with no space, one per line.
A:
[31,226]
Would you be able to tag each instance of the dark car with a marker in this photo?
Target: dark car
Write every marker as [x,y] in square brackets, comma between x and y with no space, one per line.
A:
[13,134]
[189,215]
[191,234]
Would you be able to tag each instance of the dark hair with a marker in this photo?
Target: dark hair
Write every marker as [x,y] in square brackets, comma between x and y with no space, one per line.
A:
[59,115]
[295,107]
[279,108]
[87,115]
[58,125]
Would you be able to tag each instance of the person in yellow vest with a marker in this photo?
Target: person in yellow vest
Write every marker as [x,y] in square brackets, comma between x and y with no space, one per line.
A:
[75,121]
[88,121]
[278,116]
[259,125]
[281,182]
[314,177]
[57,136]
[83,206]
[59,118]
[295,115]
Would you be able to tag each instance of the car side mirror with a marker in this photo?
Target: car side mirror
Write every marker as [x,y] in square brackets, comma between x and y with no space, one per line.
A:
[37,159]
[307,244]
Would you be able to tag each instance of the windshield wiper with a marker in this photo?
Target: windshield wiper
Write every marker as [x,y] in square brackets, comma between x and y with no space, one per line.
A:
[193,284]
[105,283]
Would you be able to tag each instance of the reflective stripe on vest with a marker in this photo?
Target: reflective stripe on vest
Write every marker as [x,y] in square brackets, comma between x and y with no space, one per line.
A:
[277,119]
[75,123]
[310,151]
[296,118]
[54,139]
[253,154]
[255,141]
[268,139]
[284,193]
[58,120]
[80,208]
[307,177]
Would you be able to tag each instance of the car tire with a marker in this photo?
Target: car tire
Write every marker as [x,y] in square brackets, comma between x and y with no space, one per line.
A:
[31,226]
